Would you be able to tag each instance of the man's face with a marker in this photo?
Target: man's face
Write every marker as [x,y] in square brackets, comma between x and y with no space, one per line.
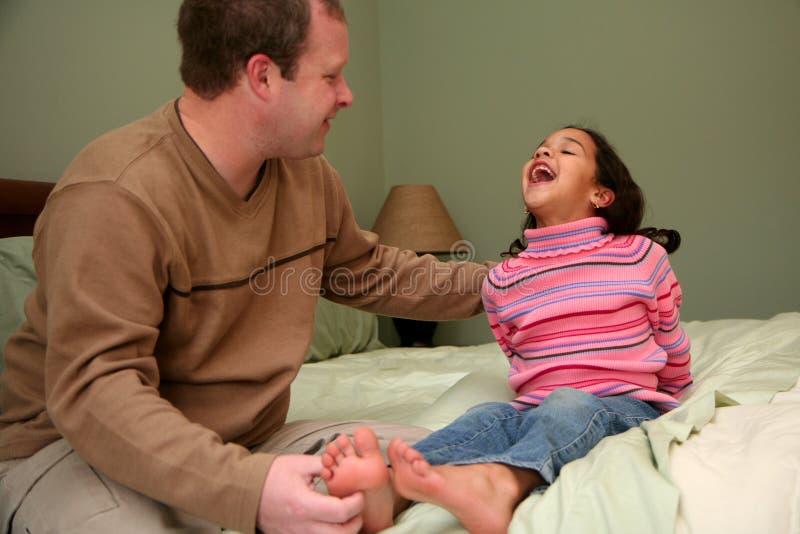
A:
[319,90]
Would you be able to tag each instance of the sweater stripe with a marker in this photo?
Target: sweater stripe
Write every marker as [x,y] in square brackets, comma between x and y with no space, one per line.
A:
[245,281]
[639,256]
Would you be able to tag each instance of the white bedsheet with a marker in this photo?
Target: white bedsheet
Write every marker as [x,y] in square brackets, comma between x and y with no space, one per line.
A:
[683,472]
[741,472]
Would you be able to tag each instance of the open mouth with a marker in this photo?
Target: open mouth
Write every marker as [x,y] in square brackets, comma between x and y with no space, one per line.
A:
[541,173]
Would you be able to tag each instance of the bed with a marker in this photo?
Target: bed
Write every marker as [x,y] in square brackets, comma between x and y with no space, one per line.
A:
[727,460]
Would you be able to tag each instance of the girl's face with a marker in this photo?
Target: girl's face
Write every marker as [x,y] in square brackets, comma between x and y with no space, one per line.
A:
[558,184]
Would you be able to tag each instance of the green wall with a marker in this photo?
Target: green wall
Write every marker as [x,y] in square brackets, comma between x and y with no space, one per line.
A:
[72,70]
[700,98]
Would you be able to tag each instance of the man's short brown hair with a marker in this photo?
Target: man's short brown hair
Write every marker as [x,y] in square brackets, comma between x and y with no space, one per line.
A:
[218,37]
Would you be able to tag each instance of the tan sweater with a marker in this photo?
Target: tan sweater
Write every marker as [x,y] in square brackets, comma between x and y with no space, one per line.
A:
[171,316]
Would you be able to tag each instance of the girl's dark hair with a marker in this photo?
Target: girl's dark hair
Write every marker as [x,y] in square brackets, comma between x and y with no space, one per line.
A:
[625,214]
[218,37]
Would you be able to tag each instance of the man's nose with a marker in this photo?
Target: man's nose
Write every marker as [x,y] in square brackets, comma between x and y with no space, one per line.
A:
[345,95]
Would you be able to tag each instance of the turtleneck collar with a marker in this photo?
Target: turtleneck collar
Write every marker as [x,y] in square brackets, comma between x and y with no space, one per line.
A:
[568,238]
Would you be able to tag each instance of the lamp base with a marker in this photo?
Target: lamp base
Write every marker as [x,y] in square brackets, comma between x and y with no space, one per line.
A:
[415,333]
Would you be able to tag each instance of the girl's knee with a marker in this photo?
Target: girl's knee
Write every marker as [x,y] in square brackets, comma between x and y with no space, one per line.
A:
[490,409]
[486,415]
[571,401]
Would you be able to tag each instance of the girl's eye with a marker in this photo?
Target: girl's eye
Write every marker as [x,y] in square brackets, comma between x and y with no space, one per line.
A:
[568,152]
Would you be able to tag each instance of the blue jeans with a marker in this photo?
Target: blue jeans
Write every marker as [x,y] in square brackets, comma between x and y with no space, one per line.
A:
[563,428]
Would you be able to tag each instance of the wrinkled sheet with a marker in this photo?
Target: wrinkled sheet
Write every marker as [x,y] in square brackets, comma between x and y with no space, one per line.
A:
[628,483]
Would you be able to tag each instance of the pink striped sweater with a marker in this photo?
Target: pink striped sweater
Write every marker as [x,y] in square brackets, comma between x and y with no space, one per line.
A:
[586,309]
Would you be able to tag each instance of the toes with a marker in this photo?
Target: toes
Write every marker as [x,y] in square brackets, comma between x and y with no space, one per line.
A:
[396,448]
[402,446]
[326,474]
[410,454]
[329,460]
[332,450]
[420,467]
[402,452]
[366,441]
[345,446]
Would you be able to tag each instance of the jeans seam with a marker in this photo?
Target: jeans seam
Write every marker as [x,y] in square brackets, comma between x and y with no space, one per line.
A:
[549,460]
[475,435]
[501,459]
[603,410]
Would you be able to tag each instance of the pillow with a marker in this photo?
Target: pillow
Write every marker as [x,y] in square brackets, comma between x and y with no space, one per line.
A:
[340,329]
[17,280]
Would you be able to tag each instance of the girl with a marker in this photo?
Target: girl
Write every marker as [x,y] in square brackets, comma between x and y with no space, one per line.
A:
[586,310]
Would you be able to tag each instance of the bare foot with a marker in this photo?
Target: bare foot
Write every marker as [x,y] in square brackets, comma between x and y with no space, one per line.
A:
[348,469]
[482,496]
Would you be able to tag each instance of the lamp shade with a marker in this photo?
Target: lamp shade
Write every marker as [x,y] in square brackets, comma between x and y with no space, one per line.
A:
[413,217]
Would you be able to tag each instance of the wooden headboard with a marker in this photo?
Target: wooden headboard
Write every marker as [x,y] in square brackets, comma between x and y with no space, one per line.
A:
[21,201]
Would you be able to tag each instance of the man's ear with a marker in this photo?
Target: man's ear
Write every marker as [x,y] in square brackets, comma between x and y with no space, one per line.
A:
[603,197]
[258,70]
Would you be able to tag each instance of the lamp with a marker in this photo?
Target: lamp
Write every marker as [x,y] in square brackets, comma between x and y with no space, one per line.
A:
[413,217]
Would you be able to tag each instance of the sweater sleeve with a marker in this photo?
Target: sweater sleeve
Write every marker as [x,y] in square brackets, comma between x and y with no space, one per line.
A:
[499,330]
[362,273]
[675,376]
[104,265]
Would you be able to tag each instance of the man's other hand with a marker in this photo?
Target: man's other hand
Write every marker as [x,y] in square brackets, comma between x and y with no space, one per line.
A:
[289,503]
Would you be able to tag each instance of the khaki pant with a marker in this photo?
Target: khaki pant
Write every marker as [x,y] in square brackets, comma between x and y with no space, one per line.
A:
[55,491]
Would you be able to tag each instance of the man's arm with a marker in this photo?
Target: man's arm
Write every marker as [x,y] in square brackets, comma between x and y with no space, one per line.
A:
[359,272]
[103,263]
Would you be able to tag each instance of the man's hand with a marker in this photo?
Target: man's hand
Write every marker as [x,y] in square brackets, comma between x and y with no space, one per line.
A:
[289,503]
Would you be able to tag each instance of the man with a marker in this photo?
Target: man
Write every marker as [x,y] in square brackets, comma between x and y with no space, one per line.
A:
[149,386]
